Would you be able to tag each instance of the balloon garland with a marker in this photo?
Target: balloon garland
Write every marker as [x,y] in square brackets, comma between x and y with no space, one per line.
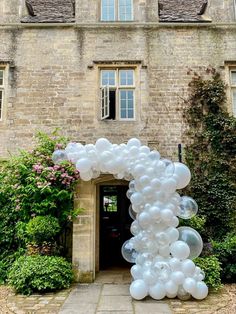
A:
[162,253]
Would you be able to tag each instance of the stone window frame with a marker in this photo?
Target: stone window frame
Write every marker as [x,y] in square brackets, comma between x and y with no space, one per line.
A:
[233,89]
[234,8]
[3,87]
[116,12]
[229,67]
[117,87]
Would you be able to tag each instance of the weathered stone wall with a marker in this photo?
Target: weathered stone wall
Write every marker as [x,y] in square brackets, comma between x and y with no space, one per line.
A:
[54,80]
[221,10]
[10,11]
[144,10]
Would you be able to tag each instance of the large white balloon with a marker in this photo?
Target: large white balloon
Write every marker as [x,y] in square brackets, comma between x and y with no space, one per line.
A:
[182,175]
[193,239]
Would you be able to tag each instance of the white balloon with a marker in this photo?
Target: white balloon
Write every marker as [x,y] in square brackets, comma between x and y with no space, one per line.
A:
[133,142]
[182,175]
[177,277]
[149,277]
[136,272]
[83,165]
[86,176]
[180,250]
[144,180]
[190,285]
[144,219]
[188,267]
[171,287]
[138,170]
[157,291]
[167,215]
[138,289]
[155,212]
[156,184]
[175,264]
[201,291]
[136,198]
[102,144]
[171,295]
[164,251]
[182,294]
[169,185]
[173,234]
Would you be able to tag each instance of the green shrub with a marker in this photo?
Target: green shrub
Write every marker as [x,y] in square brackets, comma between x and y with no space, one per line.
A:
[42,228]
[226,253]
[211,266]
[40,273]
[196,222]
[6,261]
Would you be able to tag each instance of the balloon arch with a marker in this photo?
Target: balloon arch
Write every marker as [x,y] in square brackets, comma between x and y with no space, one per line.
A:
[162,253]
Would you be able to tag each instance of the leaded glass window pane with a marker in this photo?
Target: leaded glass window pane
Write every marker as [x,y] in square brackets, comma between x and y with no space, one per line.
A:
[233,78]
[1,77]
[125,10]
[126,104]
[126,77]
[108,77]
[108,10]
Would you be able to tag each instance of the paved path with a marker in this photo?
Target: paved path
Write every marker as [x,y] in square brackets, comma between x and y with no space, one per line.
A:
[110,295]
[101,298]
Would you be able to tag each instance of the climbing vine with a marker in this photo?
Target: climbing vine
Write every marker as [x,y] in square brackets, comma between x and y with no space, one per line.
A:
[211,153]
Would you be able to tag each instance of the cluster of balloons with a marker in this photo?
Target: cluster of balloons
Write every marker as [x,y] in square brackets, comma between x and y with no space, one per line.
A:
[162,253]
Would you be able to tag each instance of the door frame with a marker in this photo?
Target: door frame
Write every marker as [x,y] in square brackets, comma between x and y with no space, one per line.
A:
[103,180]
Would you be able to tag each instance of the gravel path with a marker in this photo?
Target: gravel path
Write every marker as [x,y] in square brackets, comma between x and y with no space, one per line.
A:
[4,292]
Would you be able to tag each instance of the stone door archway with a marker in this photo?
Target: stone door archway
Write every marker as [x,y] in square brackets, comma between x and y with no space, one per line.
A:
[86,228]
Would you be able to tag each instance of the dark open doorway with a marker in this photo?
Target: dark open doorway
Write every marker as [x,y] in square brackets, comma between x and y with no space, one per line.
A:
[114,225]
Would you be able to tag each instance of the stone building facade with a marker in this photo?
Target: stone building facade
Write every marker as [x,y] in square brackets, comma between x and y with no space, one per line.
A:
[53,54]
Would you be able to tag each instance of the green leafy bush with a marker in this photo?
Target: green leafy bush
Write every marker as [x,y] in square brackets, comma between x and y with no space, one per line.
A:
[42,228]
[6,261]
[226,253]
[196,222]
[211,153]
[40,273]
[211,266]
[31,185]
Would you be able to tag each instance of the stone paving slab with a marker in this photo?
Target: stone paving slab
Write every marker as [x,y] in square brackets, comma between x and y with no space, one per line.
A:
[151,308]
[115,303]
[115,289]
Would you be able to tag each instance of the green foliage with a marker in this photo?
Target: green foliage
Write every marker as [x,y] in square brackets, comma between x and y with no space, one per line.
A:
[211,266]
[211,154]
[40,273]
[30,186]
[7,259]
[226,253]
[42,228]
[196,222]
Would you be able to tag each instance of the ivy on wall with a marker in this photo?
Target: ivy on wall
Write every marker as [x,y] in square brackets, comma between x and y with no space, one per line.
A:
[211,153]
